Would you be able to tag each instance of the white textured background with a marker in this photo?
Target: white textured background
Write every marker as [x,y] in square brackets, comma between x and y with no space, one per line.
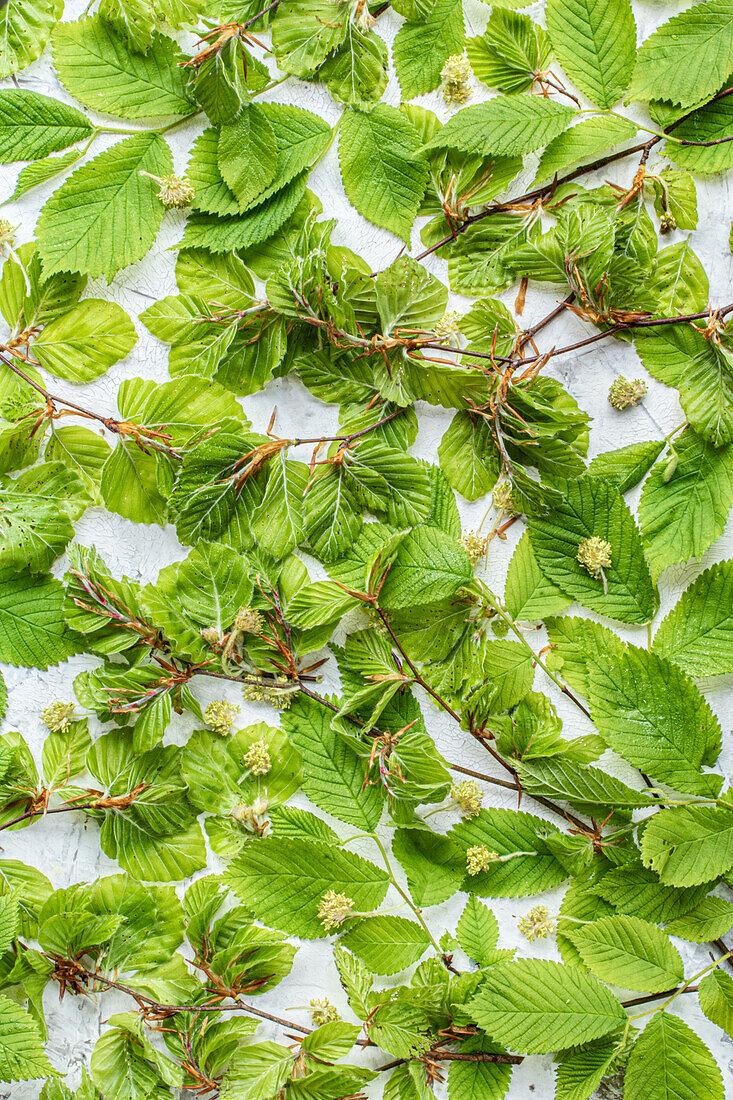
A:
[67,849]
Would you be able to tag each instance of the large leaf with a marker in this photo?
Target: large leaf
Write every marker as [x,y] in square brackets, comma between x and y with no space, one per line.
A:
[22,1057]
[282,881]
[504,126]
[582,142]
[24,29]
[429,566]
[334,774]
[256,1070]
[697,634]
[32,627]
[106,215]
[384,176]
[536,1006]
[628,952]
[95,65]
[681,516]
[533,866]
[670,1062]
[32,125]
[594,508]
[83,343]
[421,49]
[595,42]
[650,713]
[687,845]
[688,58]
[387,943]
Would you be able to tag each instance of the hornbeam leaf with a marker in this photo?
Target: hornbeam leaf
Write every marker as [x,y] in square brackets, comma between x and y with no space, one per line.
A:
[24,29]
[383,173]
[628,952]
[32,627]
[95,65]
[536,1006]
[687,59]
[421,49]
[687,845]
[386,943]
[697,634]
[282,881]
[595,42]
[504,126]
[22,1057]
[32,125]
[105,215]
[669,1061]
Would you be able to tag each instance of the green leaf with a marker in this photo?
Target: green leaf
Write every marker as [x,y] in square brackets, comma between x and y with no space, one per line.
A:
[687,845]
[24,31]
[32,125]
[595,42]
[252,228]
[697,633]
[708,921]
[478,1080]
[256,1070]
[669,1061]
[536,1006]
[504,126]
[628,952]
[121,1069]
[592,507]
[305,32]
[626,466]
[283,880]
[421,49]
[510,52]
[711,123]
[79,227]
[679,282]
[82,344]
[478,931]
[528,593]
[654,716]
[247,154]
[129,484]
[688,58]
[680,518]
[533,866]
[716,999]
[8,921]
[637,891]
[434,867]
[590,137]
[40,171]
[356,73]
[32,627]
[587,787]
[22,1057]
[96,66]
[383,174]
[429,566]
[334,774]
[386,944]
[468,456]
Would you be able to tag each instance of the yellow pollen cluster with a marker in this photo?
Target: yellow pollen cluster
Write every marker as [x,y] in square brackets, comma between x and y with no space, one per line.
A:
[468,796]
[475,546]
[448,324]
[58,716]
[257,758]
[220,716]
[323,1012]
[456,75]
[594,554]
[537,924]
[175,191]
[333,909]
[502,497]
[479,858]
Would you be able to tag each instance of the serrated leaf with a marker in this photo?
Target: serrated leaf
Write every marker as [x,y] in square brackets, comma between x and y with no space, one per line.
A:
[105,215]
[39,171]
[536,1006]
[688,58]
[283,880]
[590,137]
[24,30]
[592,507]
[533,866]
[83,343]
[670,1062]
[687,845]
[22,1057]
[386,943]
[32,627]
[383,173]
[429,566]
[716,999]
[528,593]
[626,466]
[681,517]
[707,921]
[504,126]
[421,49]
[33,125]
[697,634]
[247,154]
[255,1071]
[595,42]
[95,65]
[477,931]
[654,716]
[628,952]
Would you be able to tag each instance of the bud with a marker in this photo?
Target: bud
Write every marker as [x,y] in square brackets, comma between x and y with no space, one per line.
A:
[333,909]
[456,74]
[468,796]
[58,716]
[211,636]
[249,621]
[479,858]
[175,191]
[220,716]
[667,223]
[323,1012]
[669,469]
[474,545]
[447,325]
[502,497]
[537,924]
[279,697]
[624,394]
[594,554]
[257,758]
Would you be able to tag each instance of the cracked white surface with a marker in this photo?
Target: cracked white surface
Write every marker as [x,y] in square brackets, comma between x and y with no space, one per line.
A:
[68,850]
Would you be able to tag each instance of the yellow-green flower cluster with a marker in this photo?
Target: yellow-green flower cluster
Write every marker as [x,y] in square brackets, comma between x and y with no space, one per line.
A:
[468,796]
[536,925]
[625,393]
[257,758]
[594,554]
[333,909]
[220,716]
[323,1012]
[58,716]
[479,859]
[456,75]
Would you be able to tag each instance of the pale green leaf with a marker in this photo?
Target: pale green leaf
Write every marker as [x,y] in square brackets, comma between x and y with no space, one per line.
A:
[628,952]
[670,1062]
[595,42]
[504,126]
[697,634]
[32,125]
[687,845]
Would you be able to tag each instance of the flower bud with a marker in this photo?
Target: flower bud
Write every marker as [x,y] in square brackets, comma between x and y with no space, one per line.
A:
[594,554]
[456,74]
[175,191]
[669,469]
[479,859]
[625,394]
[220,716]
[58,716]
